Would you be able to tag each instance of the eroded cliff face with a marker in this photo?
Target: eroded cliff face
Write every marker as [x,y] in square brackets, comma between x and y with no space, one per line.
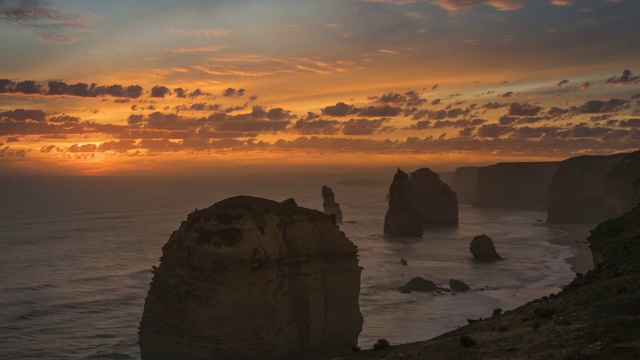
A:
[250,278]
[514,185]
[433,200]
[622,181]
[578,190]
[464,184]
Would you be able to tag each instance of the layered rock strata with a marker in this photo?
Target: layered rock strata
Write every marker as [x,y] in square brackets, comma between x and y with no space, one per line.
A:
[514,185]
[401,219]
[434,201]
[578,190]
[329,204]
[250,278]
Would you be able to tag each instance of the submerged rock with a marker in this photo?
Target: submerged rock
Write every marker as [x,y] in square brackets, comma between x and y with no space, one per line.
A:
[331,207]
[419,284]
[250,278]
[459,286]
[483,250]
[401,219]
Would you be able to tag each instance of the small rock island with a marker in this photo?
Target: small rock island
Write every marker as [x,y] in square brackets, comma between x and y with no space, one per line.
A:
[250,278]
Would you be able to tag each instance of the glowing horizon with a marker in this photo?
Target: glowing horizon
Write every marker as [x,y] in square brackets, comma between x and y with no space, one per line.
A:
[157,87]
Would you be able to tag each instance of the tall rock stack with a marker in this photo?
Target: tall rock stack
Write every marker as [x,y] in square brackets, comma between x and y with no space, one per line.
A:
[331,207]
[401,219]
[434,201]
[250,278]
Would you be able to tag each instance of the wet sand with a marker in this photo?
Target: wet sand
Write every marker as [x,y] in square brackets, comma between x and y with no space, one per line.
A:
[576,237]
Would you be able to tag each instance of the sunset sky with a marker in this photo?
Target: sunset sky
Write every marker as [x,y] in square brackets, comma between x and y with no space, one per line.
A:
[111,87]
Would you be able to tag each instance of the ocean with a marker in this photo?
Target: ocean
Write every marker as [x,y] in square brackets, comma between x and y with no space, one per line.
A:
[76,255]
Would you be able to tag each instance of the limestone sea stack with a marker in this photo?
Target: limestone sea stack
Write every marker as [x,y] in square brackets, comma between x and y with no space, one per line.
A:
[250,278]
[483,249]
[331,207]
[432,199]
[401,219]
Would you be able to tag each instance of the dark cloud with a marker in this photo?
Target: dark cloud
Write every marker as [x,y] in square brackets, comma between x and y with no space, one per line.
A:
[526,132]
[93,90]
[180,92]
[312,126]
[562,83]
[159,145]
[121,145]
[27,87]
[409,98]
[634,123]
[339,109]
[600,106]
[457,123]
[556,112]
[493,106]
[435,101]
[516,109]
[421,125]
[84,148]
[364,126]
[508,94]
[493,130]
[121,101]
[12,139]
[627,78]
[65,119]
[160,91]
[379,111]
[24,115]
[231,92]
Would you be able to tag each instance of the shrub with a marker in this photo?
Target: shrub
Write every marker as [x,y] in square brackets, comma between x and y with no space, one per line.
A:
[497,312]
[544,312]
[467,341]
[381,344]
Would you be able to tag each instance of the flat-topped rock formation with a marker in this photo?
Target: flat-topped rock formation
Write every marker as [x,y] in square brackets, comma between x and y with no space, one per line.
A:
[331,207]
[578,190]
[464,184]
[622,185]
[401,219]
[434,201]
[250,278]
[521,185]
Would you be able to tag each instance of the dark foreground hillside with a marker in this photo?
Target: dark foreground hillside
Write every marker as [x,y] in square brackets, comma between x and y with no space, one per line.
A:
[596,317]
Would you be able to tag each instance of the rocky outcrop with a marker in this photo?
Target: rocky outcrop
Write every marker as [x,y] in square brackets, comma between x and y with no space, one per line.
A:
[250,278]
[331,207]
[401,219]
[596,316]
[419,284]
[459,286]
[432,199]
[622,181]
[464,184]
[514,185]
[482,249]
[578,190]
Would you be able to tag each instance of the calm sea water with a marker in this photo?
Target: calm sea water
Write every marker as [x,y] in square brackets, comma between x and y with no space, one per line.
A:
[76,255]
